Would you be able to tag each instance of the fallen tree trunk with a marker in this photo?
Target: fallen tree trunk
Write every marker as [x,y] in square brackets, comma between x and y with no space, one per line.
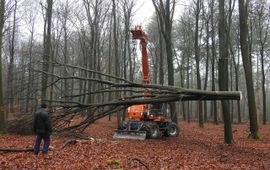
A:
[88,113]
[16,149]
[100,110]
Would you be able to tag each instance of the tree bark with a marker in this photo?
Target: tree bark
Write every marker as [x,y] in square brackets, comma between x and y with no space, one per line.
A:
[116,59]
[262,32]
[161,60]
[30,76]
[213,61]
[197,58]
[165,13]
[243,15]
[236,68]
[2,113]
[47,50]
[10,94]
[207,66]
[223,72]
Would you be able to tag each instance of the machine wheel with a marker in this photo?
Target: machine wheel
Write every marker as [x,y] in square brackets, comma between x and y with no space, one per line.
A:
[172,130]
[154,131]
[123,126]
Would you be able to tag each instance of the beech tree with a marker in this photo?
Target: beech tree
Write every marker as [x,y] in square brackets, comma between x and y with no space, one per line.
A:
[165,11]
[2,113]
[10,82]
[243,17]
[262,22]
[223,70]
[47,49]
[197,58]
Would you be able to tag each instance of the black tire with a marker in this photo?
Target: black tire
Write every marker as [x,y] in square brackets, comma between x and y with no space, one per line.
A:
[123,126]
[154,131]
[172,130]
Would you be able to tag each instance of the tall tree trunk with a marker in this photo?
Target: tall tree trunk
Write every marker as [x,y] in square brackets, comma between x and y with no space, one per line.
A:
[263,32]
[116,59]
[127,7]
[182,85]
[223,72]
[165,14]
[65,52]
[30,76]
[213,61]
[11,62]
[197,58]
[243,15]
[2,111]
[188,80]
[161,55]
[110,61]
[206,67]
[47,51]
[236,68]
[189,67]
[263,85]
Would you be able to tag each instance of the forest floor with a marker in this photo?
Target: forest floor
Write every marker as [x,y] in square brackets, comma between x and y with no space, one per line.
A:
[194,148]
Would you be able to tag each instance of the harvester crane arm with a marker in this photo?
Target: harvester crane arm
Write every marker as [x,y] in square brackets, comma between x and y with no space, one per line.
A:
[145,119]
[138,34]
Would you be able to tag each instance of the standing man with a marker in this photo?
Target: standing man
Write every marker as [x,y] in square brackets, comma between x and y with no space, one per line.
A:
[42,129]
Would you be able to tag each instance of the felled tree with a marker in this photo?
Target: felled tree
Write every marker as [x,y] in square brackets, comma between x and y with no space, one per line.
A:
[65,111]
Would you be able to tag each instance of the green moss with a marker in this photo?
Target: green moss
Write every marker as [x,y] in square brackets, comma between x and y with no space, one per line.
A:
[255,136]
[116,163]
[2,132]
[230,142]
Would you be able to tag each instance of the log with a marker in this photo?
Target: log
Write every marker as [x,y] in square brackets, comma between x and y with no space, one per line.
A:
[16,150]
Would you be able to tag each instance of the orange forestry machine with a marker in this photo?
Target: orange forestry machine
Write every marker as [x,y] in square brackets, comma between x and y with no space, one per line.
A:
[146,120]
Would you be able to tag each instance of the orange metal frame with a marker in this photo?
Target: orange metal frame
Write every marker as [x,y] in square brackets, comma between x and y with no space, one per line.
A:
[138,34]
[135,111]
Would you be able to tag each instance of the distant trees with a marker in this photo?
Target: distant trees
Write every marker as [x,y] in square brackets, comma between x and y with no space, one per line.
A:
[95,35]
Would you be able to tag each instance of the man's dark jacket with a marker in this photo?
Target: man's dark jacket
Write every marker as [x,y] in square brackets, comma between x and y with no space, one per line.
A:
[42,122]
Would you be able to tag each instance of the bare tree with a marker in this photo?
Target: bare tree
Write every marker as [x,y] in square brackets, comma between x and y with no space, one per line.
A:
[2,113]
[262,27]
[127,7]
[236,65]
[243,16]
[47,49]
[223,70]
[31,20]
[116,57]
[214,110]
[197,58]
[165,13]
[10,81]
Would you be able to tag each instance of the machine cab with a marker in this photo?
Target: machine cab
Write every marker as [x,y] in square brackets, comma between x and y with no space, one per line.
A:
[152,112]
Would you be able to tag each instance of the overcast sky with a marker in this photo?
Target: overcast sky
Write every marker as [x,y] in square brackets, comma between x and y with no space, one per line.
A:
[145,9]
